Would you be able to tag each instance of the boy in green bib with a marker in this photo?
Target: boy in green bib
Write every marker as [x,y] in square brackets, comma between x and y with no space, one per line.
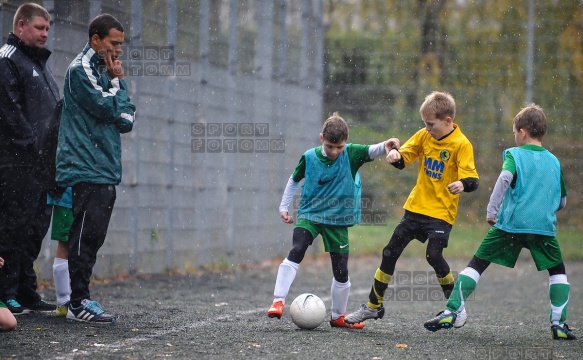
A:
[330,202]
[522,211]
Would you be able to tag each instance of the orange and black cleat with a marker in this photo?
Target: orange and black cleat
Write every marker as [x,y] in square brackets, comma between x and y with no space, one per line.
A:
[341,323]
[276,310]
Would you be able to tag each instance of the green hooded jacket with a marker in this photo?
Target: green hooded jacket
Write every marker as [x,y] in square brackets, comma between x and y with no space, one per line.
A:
[96,110]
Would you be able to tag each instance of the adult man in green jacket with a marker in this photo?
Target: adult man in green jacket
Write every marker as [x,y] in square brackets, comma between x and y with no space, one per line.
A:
[96,110]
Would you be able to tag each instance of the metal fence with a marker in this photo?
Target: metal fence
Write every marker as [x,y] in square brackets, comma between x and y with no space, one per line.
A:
[382,59]
[228,97]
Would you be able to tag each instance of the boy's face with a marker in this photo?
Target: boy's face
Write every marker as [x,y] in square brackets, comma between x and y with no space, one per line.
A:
[438,128]
[332,149]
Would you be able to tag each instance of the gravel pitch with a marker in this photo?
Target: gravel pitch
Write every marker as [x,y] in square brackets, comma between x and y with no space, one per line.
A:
[222,315]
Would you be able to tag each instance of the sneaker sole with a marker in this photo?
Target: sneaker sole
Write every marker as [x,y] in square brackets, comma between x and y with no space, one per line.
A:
[346,327]
[434,328]
[278,316]
[23,312]
[75,320]
[380,315]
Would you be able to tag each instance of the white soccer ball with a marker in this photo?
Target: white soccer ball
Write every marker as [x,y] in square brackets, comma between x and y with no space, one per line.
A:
[307,311]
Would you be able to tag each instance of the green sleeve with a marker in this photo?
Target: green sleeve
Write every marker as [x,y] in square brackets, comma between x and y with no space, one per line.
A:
[357,155]
[509,163]
[103,98]
[300,171]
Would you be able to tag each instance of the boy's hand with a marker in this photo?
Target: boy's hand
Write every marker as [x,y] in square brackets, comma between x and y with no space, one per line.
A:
[456,187]
[286,218]
[491,221]
[1,262]
[392,143]
[393,156]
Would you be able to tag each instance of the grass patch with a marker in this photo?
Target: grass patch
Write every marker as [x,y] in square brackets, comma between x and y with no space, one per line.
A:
[463,241]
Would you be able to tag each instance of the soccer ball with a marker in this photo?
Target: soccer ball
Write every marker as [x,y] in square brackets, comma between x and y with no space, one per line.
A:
[308,311]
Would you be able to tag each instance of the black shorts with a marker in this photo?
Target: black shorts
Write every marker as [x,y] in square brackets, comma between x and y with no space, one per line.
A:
[423,229]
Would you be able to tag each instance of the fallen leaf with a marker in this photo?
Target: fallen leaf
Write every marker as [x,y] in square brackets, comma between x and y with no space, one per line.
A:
[401,346]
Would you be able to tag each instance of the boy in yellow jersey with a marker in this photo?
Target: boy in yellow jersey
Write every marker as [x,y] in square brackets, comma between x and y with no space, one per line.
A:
[522,211]
[445,170]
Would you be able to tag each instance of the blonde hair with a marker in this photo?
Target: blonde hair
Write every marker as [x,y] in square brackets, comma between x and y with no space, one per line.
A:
[335,129]
[440,104]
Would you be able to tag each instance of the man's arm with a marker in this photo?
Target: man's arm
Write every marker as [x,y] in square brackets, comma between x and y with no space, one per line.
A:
[103,98]
[15,126]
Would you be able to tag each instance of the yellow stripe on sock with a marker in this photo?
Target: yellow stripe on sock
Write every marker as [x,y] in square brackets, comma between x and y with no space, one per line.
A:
[374,306]
[383,277]
[448,279]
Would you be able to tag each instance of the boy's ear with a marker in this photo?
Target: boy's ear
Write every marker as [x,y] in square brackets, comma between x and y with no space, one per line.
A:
[321,137]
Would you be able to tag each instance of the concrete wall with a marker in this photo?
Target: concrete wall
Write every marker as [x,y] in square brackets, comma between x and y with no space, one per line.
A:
[178,207]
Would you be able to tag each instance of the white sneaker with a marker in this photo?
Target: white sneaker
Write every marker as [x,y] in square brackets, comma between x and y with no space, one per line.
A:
[364,313]
[460,320]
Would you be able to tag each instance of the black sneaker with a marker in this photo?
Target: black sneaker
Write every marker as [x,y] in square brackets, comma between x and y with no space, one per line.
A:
[562,332]
[15,307]
[42,306]
[90,311]
[443,320]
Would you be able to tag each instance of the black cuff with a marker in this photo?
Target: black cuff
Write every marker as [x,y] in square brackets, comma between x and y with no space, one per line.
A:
[399,164]
[470,184]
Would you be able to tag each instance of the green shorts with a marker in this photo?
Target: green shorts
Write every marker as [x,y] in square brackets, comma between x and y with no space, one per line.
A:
[503,248]
[335,237]
[2,305]
[62,221]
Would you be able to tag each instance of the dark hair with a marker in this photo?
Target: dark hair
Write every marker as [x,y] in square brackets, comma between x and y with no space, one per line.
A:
[27,11]
[102,24]
[335,129]
[532,119]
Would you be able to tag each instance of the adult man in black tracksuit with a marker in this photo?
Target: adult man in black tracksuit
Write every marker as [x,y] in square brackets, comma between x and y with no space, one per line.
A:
[28,95]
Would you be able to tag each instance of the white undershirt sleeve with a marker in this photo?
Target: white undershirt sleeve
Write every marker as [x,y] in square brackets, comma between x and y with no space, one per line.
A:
[563,203]
[376,150]
[502,184]
[288,194]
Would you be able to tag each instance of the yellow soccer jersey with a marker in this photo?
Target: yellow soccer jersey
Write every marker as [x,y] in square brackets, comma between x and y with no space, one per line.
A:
[441,162]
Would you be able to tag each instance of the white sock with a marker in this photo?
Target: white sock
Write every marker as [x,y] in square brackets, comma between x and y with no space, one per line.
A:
[62,282]
[340,293]
[285,277]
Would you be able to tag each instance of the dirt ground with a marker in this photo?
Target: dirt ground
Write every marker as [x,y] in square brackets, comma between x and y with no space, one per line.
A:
[223,316]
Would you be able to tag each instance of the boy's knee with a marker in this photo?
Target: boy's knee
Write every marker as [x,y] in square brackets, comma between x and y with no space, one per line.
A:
[8,323]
